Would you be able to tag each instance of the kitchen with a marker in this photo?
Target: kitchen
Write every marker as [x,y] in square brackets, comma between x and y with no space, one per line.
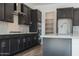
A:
[18,28]
[27,25]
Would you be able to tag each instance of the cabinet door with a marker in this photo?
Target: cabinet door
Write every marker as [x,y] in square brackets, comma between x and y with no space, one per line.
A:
[28,42]
[29,15]
[33,39]
[13,45]
[1,11]
[60,13]
[4,45]
[8,12]
[21,18]
[76,17]
[20,44]
[33,26]
[65,13]
[25,42]
[27,11]
[25,17]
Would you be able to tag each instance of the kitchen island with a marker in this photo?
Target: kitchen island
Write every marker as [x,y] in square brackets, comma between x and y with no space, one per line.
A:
[60,45]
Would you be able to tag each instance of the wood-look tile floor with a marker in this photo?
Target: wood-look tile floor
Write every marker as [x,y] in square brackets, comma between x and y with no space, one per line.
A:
[35,51]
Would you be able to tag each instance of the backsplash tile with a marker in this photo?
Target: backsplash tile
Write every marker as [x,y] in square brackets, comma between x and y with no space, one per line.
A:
[6,27]
[3,27]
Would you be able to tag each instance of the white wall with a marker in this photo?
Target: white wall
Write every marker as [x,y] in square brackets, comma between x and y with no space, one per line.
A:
[52,7]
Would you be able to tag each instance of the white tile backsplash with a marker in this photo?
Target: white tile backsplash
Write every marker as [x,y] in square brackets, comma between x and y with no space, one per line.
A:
[76,30]
[3,27]
[6,27]
[24,28]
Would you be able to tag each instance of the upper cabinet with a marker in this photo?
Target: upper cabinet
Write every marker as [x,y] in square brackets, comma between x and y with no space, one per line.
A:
[71,13]
[35,18]
[76,17]
[65,13]
[26,15]
[1,11]
[22,19]
[6,12]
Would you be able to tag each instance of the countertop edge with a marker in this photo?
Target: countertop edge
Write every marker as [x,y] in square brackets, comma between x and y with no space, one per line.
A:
[19,33]
[60,36]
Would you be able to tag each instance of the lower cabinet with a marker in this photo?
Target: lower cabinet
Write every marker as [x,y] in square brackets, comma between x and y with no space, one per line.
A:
[24,43]
[13,45]
[4,47]
[34,40]
[17,43]
[20,44]
[28,41]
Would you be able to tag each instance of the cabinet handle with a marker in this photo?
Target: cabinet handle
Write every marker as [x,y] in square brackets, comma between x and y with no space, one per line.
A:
[19,41]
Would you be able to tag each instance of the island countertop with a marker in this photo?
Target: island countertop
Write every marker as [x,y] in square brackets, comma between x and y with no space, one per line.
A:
[60,36]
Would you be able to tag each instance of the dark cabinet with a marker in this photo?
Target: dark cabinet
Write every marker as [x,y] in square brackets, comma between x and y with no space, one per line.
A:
[25,15]
[65,13]
[20,44]
[29,15]
[6,12]
[9,45]
[28,42]
[35,16]
[13,45]
[76,17]
[34,40]
[4,47]
[25,42]
[22,18]
[1,11]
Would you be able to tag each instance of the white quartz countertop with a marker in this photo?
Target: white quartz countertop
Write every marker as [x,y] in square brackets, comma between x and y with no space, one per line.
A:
[18,33]
[60,36]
